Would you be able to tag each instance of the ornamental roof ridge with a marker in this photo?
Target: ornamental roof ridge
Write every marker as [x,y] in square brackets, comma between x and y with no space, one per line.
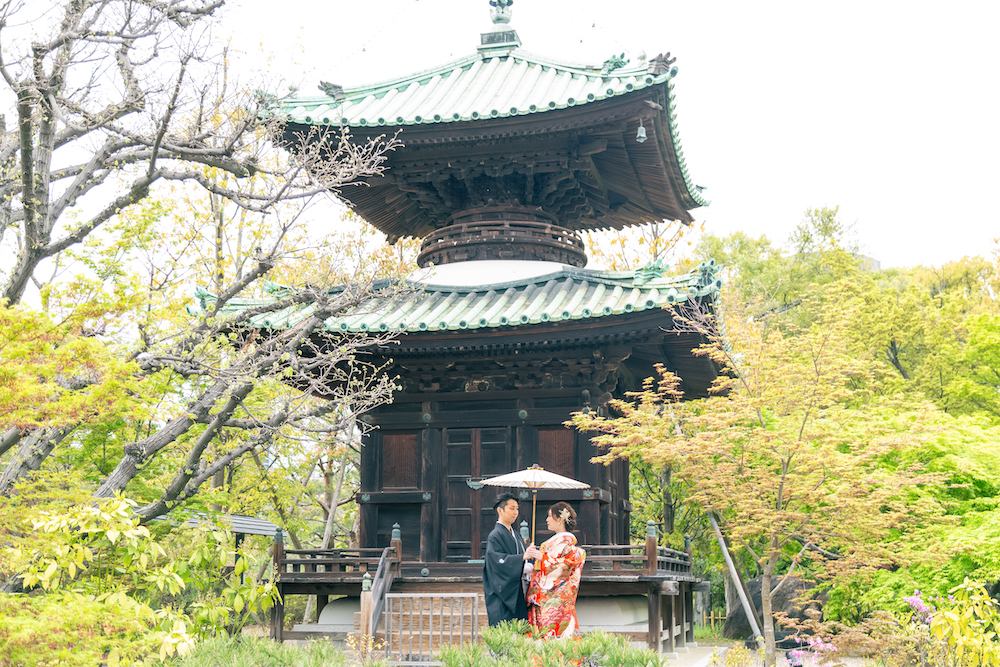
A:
[641,277]
[467,89]
[568,294]
[450,66]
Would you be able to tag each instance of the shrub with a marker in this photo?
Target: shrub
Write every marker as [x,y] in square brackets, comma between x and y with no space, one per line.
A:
[71,629]
[960,630]
[95,557]
[247,650]
[507,645]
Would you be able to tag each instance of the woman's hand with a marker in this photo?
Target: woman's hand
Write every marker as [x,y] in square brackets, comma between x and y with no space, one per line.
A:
[532,552]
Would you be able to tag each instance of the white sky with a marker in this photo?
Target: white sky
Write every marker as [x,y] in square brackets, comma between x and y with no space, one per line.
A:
[890,110]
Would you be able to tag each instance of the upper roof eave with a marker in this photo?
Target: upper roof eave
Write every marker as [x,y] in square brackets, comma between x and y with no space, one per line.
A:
[466,90]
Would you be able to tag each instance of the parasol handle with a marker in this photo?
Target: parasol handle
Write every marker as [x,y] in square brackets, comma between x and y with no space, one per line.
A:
[534,495]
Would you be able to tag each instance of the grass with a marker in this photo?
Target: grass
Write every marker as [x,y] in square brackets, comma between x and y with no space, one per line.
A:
[506,645]
[593,648]
[706,634]
[246,650]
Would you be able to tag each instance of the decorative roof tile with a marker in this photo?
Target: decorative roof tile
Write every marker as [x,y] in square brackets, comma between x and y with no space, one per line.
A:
[567,294]
[481,85]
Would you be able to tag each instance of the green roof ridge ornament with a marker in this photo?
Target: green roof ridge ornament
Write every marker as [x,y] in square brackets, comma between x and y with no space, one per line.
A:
[500,10]
[651,271]
[333,90]
[613,63]
[708,275]
[660,64]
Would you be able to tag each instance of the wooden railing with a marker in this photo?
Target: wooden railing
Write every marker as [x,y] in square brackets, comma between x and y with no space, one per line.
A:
[635,559]
[305,564]
[381,585]
[671,561]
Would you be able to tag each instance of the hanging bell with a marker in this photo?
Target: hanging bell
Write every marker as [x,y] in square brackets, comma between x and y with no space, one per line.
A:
[640,134]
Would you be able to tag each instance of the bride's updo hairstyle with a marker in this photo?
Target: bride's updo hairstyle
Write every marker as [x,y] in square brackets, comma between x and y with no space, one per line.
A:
[563,511]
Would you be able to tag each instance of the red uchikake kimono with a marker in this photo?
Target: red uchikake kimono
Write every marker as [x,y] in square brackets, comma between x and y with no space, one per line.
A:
[552,594]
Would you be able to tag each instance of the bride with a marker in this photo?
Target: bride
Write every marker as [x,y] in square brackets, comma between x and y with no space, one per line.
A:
[556,578]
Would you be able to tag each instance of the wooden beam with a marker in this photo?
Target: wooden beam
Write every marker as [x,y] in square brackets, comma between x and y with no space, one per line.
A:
[654,624]
[395,496]
[680,604]
[689,611]
[671,622]
[593,147]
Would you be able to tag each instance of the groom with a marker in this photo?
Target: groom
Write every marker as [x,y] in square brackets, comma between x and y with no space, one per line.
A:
[505,557]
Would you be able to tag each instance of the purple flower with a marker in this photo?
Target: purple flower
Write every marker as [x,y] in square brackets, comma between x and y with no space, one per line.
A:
[922,610]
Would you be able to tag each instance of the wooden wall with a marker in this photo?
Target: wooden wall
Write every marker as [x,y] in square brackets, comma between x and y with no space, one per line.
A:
[416,472]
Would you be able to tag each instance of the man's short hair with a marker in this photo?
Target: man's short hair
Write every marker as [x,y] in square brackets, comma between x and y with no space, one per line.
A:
[502,499]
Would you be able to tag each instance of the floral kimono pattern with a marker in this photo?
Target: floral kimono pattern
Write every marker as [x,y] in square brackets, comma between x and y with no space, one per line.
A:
[554,585]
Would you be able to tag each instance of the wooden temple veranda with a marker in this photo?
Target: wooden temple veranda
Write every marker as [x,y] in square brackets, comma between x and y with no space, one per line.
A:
[507,156]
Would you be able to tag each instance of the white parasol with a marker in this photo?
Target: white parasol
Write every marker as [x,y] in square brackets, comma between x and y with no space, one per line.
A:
[535,478]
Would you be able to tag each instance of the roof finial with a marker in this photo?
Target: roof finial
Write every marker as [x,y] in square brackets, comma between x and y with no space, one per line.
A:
[500,11]
[501,39]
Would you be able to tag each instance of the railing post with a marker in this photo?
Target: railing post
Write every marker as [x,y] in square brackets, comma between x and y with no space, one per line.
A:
[366,609]
[525,533]
[651,548]
[396,542]
[278,610]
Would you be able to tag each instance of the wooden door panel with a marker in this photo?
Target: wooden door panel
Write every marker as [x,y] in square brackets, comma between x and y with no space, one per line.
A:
[400,460]
[472,453]
[556,452]
[459,502]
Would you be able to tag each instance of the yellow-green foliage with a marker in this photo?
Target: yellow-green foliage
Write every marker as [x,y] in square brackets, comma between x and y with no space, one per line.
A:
[248,650]
[969,627]
[95,557]
[51,375]
[506,644]
[958,630]
[738,656]
[966,452]
[69,629]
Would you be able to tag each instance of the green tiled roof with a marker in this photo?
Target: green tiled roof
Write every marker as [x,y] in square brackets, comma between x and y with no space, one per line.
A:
[484,85]
[568,294]
[477,86]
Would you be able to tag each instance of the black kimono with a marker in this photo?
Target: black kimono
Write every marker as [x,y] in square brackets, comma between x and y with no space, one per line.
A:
[502,576]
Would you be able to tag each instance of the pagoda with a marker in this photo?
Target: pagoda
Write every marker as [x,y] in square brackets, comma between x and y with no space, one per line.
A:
[507,156]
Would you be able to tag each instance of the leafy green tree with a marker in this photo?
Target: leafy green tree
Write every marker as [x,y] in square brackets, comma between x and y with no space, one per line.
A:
[630,248]
[979,386]
[788,450]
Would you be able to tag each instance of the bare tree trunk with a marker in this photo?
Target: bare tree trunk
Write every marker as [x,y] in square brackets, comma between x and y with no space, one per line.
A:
[892,353]
[331,517]
[219,478]
[770,655]
[10,438]
[334,501]
[31,454]
[354,536]
[668,501]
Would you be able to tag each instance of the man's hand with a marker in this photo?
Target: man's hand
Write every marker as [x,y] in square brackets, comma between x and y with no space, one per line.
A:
[532,552]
